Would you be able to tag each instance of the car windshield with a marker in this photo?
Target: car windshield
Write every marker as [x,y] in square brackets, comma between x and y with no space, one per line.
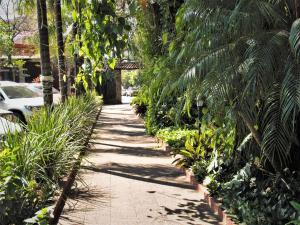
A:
[13,92]
[55,91]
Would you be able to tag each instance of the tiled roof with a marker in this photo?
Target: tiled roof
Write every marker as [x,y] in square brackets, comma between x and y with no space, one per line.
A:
[126,65]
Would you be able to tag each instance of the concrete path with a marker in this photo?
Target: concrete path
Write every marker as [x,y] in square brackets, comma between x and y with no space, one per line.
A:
[127,180]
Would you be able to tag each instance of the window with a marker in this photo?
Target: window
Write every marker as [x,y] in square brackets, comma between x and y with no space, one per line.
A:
[13,92]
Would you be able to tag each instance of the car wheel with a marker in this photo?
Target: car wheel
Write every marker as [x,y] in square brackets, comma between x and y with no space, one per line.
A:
[20,116]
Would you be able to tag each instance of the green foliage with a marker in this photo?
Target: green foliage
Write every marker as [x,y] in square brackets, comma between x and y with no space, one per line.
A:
[6,38]
[130,79]
[199,169]
[230,61]
[295,38]
[140,103]
[242,59]
[214,143]
[248,67]
[258,199]
[193,152]
[155,30]
[41,217]
[296,206]
[18,195]
[33,162]
[175,137]
[103,37]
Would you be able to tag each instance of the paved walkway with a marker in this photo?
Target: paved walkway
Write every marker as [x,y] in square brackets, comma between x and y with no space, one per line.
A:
[127,180]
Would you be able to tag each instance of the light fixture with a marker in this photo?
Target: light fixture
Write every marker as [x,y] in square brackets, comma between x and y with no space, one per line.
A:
[200,102]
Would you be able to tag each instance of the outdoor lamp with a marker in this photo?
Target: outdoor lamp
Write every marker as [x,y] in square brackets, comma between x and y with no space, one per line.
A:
[199,102]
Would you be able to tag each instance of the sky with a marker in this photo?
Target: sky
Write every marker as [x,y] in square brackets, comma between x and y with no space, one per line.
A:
[8,7]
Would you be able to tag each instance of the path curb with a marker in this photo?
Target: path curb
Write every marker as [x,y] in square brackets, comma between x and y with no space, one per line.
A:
[165,146]
[60,203]
[213,204]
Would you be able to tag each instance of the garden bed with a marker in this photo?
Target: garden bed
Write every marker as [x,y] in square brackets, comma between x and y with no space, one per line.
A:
[214,205]
[35,162]
[60,203]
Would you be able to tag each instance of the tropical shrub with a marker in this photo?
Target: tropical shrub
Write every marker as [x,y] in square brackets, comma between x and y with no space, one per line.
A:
[260,199]
[193,152]
[140,104]
[199,169]
[175,137]
[214,141]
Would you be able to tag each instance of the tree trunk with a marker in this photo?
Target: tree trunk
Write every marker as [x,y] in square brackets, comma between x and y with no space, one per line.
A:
[77,62]
[75,29]
[297,9]
[10,67]
[75,58]
[60,47]
[46,75]
[256,135]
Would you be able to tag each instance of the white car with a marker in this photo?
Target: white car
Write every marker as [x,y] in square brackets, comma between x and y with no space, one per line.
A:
[8,123]
[129,91]
[18,99]
[38,88]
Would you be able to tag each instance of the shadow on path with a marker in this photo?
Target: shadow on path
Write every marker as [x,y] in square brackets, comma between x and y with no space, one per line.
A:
[151,174]
[191,210]
[137,126]
[125,133]
[135,151]
[131,181]
[89,196]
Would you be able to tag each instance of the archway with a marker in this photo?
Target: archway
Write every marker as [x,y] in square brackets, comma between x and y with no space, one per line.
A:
[112,87]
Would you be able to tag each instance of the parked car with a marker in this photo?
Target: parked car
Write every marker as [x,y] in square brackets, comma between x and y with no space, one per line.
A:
[19,99]
[8,123]
[38,88]
[131,91]
[126,91]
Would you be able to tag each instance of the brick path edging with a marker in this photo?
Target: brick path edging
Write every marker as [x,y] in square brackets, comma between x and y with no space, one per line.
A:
[165,146]
[212,202]
[61,201]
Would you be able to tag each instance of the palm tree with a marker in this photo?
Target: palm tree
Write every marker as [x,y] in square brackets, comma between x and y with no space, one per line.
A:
[245,55]
[76,58]
[60,47]
[46,74]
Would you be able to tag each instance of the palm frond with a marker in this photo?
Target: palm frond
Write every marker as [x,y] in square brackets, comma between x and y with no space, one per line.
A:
[276,138]
[295,38]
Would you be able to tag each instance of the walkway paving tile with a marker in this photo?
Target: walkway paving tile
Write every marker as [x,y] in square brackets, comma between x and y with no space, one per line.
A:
[127,180]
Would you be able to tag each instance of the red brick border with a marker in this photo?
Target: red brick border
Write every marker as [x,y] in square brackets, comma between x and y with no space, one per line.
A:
[211,201]
[165,146]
